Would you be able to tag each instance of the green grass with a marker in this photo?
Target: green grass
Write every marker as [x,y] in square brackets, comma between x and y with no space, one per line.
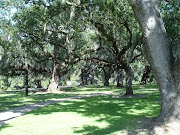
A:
[12,100]
[102,115]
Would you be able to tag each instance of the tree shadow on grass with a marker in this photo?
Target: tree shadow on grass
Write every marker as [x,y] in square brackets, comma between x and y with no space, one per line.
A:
[11,100]
[118,113]
[4,126]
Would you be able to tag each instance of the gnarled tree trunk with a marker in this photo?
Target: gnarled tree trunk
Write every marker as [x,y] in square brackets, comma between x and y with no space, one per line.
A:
[157,50]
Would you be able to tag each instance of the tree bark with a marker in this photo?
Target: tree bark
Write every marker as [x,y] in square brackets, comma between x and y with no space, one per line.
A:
[107,75]
[106,80]
[129,76]
[157,50]
[26,77]
[39,84]
[145,75]
[84,76]
[26,71]
[53,85]
[119,78]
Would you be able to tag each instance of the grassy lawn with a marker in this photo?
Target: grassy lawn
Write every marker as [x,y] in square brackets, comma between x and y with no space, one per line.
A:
[12,100]
[101,115]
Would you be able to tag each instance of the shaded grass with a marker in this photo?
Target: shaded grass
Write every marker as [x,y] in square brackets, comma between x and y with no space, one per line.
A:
[100,115]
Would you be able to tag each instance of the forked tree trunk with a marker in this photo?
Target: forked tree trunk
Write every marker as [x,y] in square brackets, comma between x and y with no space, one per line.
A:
[157,50]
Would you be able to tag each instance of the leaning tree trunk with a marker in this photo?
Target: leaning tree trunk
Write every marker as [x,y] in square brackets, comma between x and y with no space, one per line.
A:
[157,50]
